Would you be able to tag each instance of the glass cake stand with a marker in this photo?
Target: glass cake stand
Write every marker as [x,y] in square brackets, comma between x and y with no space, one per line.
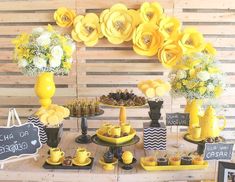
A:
[84,138]
[116,149]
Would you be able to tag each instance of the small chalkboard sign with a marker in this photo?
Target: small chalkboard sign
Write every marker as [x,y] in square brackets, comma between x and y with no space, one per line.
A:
[218,151]
[16,141]
[177,119]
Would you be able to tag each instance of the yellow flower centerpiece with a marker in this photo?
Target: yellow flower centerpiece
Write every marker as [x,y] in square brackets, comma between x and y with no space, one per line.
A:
[118,23]
[197,77]
[64,17]
[170,54]
[191,41]
[43,53]
[87,29]
[151,12]
[147,39]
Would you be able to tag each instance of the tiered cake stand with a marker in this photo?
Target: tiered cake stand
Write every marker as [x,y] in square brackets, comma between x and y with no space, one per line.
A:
[116,149]
[84,138]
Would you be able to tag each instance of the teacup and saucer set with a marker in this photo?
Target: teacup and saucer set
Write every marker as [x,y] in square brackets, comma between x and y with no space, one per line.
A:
[127,161]
[108,161]
[56,156]
[82,157]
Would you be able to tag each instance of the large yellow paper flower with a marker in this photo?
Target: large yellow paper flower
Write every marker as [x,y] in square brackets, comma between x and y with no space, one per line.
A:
[209,49]
[191,41]
[170,28]
[64,17]
[147,39]
[151,12]
[118,23]
[87,29]
[170,54]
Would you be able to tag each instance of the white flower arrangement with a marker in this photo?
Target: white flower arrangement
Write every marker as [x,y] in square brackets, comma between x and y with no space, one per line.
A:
[43,50]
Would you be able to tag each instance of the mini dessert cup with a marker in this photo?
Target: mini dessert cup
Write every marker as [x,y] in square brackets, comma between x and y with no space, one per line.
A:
[186,160]
[175,161]
[162,161]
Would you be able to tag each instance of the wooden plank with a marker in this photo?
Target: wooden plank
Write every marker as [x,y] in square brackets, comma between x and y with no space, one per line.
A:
[30,92]
[18,29]
[209,4]
[30,100]
[17,80]
[97,91]
[36,5]
[100,4]
[131,55]
[137,67]
[205,17]
[216,29]
[216,41]
[116,54]
[26,17]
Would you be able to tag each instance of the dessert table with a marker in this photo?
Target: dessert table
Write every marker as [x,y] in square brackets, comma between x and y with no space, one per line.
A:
[30,170]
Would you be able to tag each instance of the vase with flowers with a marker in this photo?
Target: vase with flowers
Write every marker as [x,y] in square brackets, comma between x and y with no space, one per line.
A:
[43,53]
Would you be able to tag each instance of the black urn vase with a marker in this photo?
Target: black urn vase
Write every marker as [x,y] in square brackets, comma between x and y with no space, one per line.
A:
[54,135]
[155,112]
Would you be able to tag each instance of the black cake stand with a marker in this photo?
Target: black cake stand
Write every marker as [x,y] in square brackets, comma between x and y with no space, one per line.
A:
[84,138]
[116,149]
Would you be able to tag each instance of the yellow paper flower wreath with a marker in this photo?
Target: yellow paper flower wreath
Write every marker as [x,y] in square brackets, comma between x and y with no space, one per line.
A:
[151,31]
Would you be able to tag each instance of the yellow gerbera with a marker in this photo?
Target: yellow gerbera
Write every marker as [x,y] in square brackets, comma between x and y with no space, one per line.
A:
[170,28]
[147,39]
[191,41]
[118,23]
[64,17]
[170,54]
[87,29]
[151,12]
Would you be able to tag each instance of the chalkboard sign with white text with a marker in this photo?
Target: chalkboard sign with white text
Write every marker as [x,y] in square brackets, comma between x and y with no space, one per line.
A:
[218,151]
[19,140]
[177,119]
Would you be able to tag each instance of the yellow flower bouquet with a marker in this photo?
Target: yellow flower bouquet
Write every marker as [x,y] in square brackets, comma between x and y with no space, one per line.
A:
[197,76]
[43,50]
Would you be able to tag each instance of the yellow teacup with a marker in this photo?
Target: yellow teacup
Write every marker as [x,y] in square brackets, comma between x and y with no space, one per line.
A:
[126,128]
[82,155]
[115,131]
[105,128]
[196,132]
[56,154]
[127,157]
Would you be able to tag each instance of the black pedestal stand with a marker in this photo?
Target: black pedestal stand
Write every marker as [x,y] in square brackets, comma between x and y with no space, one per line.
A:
[116,149]
[84,138]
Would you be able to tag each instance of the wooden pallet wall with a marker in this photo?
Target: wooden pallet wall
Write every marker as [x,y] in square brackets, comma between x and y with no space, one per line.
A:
[106,67]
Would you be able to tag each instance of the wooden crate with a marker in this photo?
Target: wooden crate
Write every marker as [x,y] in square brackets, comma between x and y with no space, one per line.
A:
[106,67]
